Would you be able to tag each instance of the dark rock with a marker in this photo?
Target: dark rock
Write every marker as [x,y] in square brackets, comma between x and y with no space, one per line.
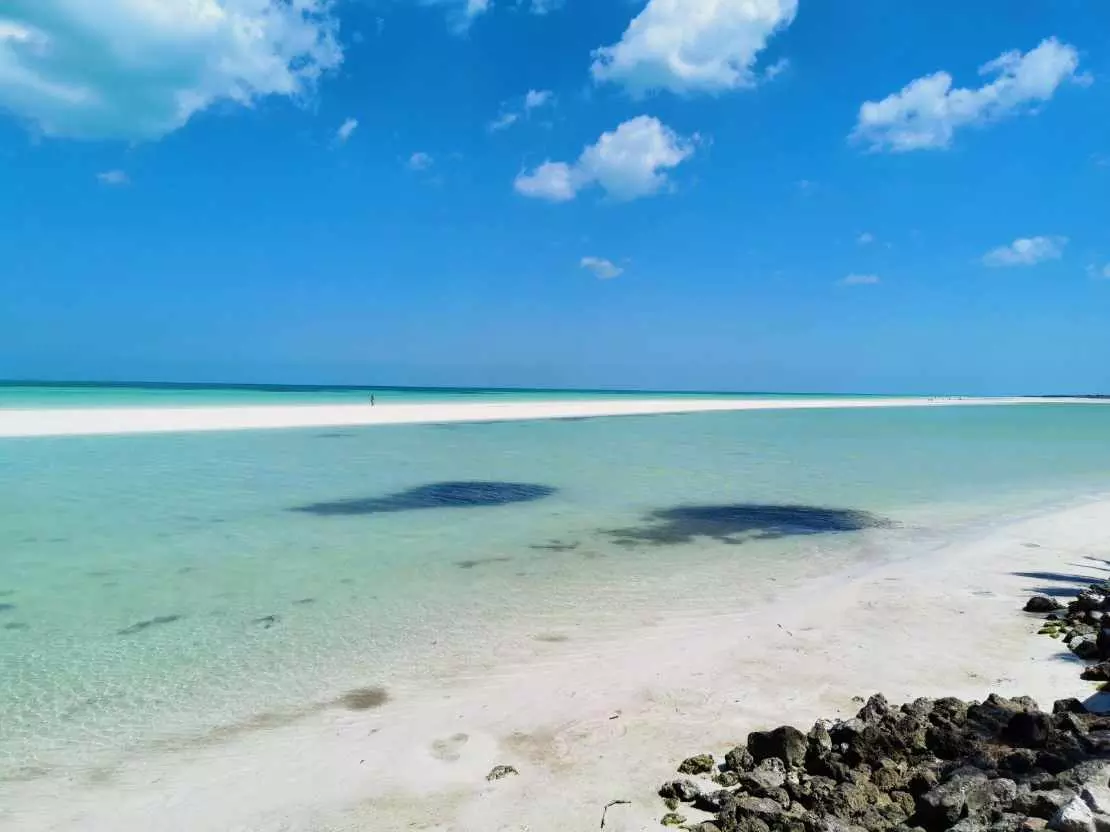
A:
[672,819]
[1028,729]
[1041,804]
[1097,672]
[1085,646]
[876,708]
[1087,600]
[1042,604]
[683,790]
[786,743]
[726,779]
[921,780]
[501,772]
[1087,773]
[699,764]
[739,759]
[965,792]
[770,774]
[1019,761]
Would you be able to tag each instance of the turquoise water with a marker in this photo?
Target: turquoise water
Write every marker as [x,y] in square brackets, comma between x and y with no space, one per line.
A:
[17,395]
[154,588]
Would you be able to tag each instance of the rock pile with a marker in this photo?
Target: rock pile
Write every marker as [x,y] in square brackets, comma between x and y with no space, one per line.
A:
[997,766]
[1083,625]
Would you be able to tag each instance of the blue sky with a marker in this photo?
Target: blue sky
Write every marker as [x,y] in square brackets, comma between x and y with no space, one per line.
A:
[784,195]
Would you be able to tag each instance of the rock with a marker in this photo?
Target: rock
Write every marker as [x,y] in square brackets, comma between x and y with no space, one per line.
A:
[1042,604]
[671,803]
[969,825]
[1097,672]
[726,779]
[699,764]
[1071,706]
[1028,729]
[965,792]
[683,790]
[1084,646]
[1042,804]
[768,774]
[1086,600]
[1102,641]
[1097,797]
[786,743]
[1073,816]
[1019,761]
[739,759]
[501,772]
[1087,773]
[706,826]
[876,708]
[672,819]
[1033,824]
[761,807]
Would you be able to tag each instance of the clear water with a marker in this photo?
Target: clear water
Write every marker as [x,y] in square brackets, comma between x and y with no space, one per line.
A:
[26,395]
[257,607]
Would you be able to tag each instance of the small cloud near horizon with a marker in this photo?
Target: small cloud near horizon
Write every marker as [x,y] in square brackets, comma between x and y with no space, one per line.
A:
[602,268]
[345,130]
[860,280]
[420,161]
[1026,251]
[115,178]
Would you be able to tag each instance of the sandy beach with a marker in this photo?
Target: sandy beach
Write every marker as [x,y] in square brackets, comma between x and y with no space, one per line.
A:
[586,723]
[100,421]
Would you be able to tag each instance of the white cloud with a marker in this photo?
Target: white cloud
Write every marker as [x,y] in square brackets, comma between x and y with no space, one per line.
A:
[461,13]
[629,162]
[603,269]
[866,238]
[1098,273]
[927,112]
[533,99]
[693,45]
[1026,251]
[115,178]
[420,161]
[860,280]
[139,69]
[345,130]
[545,6]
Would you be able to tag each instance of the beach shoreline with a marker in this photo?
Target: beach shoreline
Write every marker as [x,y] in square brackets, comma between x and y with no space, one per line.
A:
[591,723]
[18,423]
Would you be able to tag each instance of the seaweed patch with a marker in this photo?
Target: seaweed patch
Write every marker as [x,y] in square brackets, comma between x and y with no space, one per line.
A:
[743,522]
[435,495]
[364,699]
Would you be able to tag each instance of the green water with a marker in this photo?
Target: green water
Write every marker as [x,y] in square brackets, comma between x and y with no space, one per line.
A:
[155,587]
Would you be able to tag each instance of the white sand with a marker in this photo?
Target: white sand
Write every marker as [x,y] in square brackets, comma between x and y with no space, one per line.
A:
[589,723]
[92,421]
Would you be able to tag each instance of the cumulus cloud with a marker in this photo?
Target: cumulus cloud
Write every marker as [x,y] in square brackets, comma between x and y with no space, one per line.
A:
[926,113]
[629,162]
[1026,251]
[420,161]
[139,69]
[545,6]
[1099,273]
[860,280]
[694,45]
[114,178]
[603,269]
[511,113]
[866,238]
[345,130]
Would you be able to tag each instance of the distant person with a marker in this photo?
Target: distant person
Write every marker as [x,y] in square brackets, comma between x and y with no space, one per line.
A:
[371,399]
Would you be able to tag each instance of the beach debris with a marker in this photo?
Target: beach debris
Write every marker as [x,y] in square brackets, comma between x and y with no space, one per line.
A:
[501,772]
[1042,603]
[608,806]
[1000,765]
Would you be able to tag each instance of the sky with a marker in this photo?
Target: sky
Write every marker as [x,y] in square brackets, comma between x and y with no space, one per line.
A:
[759,195]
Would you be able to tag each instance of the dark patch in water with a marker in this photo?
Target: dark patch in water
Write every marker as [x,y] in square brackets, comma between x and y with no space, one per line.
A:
[347,581]
[267,621]
[555,546]
[364,699]
[334,435]
[742,522]
[6,593]
[435,495]
[7,607]
[470,564]
[16,625]
[305,601]
[551,638]
[151,622]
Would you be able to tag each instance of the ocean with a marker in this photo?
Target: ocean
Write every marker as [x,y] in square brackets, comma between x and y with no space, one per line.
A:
[157,589]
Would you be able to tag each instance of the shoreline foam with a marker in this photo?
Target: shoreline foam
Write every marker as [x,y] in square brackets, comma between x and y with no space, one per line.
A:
[599,722]
[105,421]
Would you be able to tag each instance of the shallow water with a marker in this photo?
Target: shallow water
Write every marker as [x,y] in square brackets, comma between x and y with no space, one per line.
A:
[155,588]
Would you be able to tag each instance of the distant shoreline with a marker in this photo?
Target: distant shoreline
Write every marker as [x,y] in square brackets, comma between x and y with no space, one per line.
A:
[136,420]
